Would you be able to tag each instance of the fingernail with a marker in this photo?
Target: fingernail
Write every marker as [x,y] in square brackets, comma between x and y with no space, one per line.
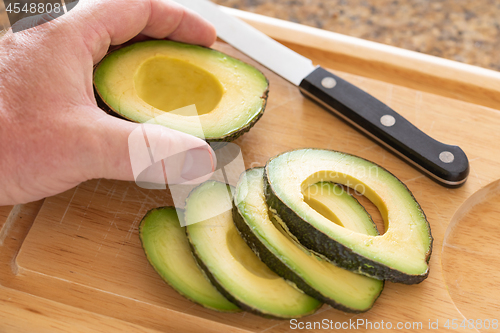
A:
[198,162]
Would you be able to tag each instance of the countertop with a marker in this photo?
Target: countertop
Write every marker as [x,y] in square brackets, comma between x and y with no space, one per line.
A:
[462,30]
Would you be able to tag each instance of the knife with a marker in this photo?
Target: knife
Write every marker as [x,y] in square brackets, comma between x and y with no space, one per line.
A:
[446,164]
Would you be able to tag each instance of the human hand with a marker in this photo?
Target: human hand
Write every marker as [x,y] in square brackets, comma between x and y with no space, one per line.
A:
[52,134]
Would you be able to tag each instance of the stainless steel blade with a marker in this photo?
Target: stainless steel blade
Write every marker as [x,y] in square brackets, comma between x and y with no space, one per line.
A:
[271,54]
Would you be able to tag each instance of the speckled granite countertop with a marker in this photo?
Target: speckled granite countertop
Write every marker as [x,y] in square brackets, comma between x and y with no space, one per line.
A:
[461,30]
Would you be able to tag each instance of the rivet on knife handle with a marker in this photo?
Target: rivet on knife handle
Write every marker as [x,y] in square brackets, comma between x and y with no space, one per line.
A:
[446,164]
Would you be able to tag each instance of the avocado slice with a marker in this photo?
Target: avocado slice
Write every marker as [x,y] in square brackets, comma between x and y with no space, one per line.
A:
[166,246]
[342,289]
[150,81]
[231,265]
[401,254]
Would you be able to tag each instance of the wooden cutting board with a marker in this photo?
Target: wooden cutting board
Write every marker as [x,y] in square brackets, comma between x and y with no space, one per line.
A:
[73,262]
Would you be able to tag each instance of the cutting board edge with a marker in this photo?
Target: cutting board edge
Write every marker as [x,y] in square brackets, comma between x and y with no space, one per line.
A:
[26,302]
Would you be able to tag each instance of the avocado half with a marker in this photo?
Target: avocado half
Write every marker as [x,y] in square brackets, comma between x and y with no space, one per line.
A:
[153,81]
[166,246]
[230,263]
[265,234]
[401,254]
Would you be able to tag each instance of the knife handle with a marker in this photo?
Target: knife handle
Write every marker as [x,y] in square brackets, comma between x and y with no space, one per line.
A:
[446,164]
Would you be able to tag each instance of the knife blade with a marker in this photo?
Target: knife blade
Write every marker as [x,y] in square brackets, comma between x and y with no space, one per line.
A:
[446,164]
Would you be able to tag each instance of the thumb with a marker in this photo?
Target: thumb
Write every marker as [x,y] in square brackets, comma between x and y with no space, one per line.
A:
[150,153]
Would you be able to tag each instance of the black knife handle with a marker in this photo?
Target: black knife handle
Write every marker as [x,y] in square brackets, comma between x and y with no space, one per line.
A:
[446,164]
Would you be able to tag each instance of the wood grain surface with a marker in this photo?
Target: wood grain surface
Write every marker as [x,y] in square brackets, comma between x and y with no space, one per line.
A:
[74,261]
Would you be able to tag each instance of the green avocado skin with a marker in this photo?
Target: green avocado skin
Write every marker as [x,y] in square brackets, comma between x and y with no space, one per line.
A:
[317,241]
[227,295]
[280,268]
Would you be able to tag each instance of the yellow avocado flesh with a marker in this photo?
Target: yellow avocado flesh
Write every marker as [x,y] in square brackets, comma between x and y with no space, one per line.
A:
[354,291]
[169,84]
[144,81]
[406,243]
[167,248]
[232,263]
[238,249]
